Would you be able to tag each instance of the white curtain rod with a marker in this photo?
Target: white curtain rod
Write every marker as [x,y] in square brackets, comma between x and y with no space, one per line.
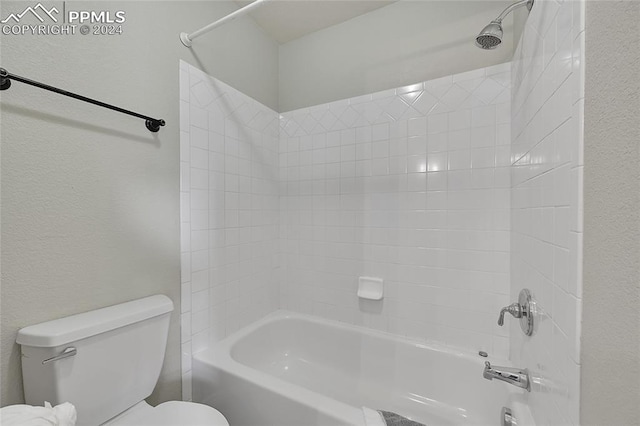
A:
[186,39]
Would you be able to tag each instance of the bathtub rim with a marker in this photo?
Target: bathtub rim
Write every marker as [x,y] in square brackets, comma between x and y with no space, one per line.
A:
[283,314]
[219,356]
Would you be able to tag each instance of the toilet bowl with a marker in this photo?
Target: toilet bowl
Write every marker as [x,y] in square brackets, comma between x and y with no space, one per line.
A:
[172,413]
[106,362]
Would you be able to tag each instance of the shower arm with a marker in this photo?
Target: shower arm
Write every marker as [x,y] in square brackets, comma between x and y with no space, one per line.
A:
[511,8]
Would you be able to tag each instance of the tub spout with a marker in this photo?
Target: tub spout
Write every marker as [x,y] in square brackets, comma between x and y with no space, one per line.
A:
[513,376]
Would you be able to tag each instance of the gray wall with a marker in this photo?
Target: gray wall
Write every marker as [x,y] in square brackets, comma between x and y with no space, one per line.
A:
[90,198]
[610,380]
[404,43]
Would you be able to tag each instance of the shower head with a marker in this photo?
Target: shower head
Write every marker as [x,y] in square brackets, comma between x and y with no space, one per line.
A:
[491,36]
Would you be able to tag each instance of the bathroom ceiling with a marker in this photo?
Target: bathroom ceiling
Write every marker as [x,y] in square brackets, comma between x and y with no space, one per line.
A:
[287,20]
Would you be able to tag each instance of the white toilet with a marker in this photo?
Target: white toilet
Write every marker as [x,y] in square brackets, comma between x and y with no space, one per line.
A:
[106,362]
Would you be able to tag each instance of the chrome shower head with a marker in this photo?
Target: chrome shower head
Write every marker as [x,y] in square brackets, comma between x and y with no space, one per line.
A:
[491,36]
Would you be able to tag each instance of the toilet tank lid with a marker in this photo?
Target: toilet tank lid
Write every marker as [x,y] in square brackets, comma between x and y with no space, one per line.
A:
[76,327]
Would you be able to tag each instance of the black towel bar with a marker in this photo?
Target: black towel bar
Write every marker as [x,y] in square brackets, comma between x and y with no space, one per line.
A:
[153,124]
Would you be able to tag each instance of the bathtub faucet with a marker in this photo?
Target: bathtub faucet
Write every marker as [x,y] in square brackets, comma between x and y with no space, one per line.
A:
[514,376]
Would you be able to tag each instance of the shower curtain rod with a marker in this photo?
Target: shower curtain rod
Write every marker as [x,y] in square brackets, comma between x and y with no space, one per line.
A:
[153,124]
[186,39]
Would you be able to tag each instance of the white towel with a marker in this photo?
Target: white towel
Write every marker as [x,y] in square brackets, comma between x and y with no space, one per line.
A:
[372,417]
[28,415]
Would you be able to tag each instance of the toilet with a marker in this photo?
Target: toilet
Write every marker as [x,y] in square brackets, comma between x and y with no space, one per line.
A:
[106,362]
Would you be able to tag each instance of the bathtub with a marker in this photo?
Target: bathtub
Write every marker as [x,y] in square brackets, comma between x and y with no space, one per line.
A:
[296,370]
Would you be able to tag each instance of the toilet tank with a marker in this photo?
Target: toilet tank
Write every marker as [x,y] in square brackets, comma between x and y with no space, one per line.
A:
[119,351]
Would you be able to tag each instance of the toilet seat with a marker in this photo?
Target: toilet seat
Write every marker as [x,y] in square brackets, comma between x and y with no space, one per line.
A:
[172,413]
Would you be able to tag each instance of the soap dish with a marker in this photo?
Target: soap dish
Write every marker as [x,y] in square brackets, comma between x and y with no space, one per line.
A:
[370,288]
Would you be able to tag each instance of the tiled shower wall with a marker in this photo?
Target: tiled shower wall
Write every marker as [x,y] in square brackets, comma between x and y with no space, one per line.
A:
[411,185]
[229,211]
[546,196]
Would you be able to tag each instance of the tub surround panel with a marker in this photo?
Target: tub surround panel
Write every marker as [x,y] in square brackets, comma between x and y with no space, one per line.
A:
[229,211]
[546,201]
[410,185]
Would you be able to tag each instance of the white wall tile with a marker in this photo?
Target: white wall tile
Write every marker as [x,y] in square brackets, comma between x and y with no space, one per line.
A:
[546,242]
[389,209]
[229,210]
[186,386]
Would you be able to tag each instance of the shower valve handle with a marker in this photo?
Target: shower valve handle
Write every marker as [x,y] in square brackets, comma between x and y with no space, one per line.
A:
[524,309]
[513,309]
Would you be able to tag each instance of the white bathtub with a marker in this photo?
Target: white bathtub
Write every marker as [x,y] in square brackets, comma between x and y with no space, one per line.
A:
[293,370]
